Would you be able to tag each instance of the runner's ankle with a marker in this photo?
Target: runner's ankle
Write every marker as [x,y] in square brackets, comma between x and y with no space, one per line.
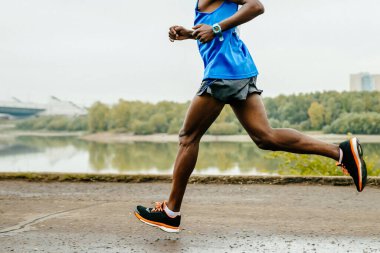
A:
[172,207]
[169,212]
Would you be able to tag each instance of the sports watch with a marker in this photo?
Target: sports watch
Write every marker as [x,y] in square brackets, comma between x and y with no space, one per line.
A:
[217,31]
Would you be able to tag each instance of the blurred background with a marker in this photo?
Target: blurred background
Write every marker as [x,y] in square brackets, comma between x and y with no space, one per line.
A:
[71,71]
[90,50]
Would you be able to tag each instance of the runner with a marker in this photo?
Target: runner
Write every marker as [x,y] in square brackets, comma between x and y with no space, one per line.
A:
[230,77]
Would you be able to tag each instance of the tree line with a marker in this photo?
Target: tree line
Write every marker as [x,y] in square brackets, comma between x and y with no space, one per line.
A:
[332,112]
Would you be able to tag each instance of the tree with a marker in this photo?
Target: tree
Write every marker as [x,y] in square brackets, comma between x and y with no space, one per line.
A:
[143,128]
[98,117]
[159,123]
[121,115]
[316,114]
[356,123]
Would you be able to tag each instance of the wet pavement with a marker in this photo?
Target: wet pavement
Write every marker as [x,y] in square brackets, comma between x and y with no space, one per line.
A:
[98,217]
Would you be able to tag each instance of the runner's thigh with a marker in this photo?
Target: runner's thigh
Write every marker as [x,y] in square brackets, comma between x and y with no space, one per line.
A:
[252,115]
[201,113]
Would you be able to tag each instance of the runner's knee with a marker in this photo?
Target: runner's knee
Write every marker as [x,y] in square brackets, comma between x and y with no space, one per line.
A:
[187,138]
[266,141]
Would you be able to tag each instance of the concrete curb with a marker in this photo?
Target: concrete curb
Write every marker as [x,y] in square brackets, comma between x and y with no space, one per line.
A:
[274,180]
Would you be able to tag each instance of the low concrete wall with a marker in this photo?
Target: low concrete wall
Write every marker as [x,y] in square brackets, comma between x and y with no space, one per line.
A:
[275,180]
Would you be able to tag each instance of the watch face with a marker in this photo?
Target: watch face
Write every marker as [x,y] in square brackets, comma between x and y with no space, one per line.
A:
[216,29]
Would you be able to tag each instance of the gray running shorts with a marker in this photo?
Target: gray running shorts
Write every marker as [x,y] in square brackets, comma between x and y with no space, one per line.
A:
[228,90]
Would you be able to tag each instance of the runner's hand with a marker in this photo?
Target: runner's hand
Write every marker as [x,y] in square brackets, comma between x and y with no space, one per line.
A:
[177,32]
[203,33]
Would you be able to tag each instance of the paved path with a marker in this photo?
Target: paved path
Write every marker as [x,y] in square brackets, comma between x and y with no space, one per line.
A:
[98,217]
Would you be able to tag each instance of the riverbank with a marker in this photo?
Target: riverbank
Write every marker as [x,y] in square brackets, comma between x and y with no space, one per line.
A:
[122,138]
[98,217]
[204,179]
[10,134]
[111,137]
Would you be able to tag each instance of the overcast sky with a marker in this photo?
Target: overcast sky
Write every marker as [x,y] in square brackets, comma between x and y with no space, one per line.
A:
[89,50]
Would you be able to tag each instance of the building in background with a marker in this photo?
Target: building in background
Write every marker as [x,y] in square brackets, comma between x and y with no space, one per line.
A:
[18,109]
[364,82]
[55,107]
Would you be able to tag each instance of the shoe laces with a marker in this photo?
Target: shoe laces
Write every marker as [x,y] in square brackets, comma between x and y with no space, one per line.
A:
[158,207]
[345,171]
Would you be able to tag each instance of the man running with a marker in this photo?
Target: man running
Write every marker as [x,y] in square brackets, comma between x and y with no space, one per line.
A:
[230,78]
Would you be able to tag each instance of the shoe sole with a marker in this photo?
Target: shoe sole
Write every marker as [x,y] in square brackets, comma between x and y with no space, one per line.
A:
[354,149]
[162,226]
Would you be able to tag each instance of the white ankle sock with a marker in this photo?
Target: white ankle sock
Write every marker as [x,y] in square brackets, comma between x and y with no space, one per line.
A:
[170,213]
[340,156]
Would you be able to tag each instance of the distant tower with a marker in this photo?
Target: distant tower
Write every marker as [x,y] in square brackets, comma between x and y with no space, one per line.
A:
[364,82]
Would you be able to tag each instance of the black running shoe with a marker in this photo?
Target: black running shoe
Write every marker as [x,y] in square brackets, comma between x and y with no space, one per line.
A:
[353,162]
[157,217]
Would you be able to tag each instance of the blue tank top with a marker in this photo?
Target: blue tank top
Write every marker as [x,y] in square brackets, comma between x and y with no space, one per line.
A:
[228,59]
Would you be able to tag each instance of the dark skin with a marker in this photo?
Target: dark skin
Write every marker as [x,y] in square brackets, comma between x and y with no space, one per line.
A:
[251,112]
[202,32]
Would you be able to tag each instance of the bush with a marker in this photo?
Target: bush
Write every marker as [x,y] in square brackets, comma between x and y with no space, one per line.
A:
[35,123]
[224,129]
[78,124]
[25,124]
[41,122]
[58,124]
[356,123]
[159,123]
[305,125]
[54,123]
[310,165]
[98,117]
[275,123]
[174,126]
[143,128]
[356,112]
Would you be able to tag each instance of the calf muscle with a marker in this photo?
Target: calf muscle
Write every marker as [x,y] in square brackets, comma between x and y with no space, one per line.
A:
[252,115]
[201,114]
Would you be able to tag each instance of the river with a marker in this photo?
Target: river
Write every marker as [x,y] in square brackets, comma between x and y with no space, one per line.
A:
[72,155]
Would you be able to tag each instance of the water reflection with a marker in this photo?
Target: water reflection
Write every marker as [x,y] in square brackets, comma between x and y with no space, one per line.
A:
[73,155]
[17,149]
[145,156]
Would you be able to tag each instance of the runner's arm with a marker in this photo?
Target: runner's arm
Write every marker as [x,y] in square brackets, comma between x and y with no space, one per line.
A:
[177,32]
[249,10]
